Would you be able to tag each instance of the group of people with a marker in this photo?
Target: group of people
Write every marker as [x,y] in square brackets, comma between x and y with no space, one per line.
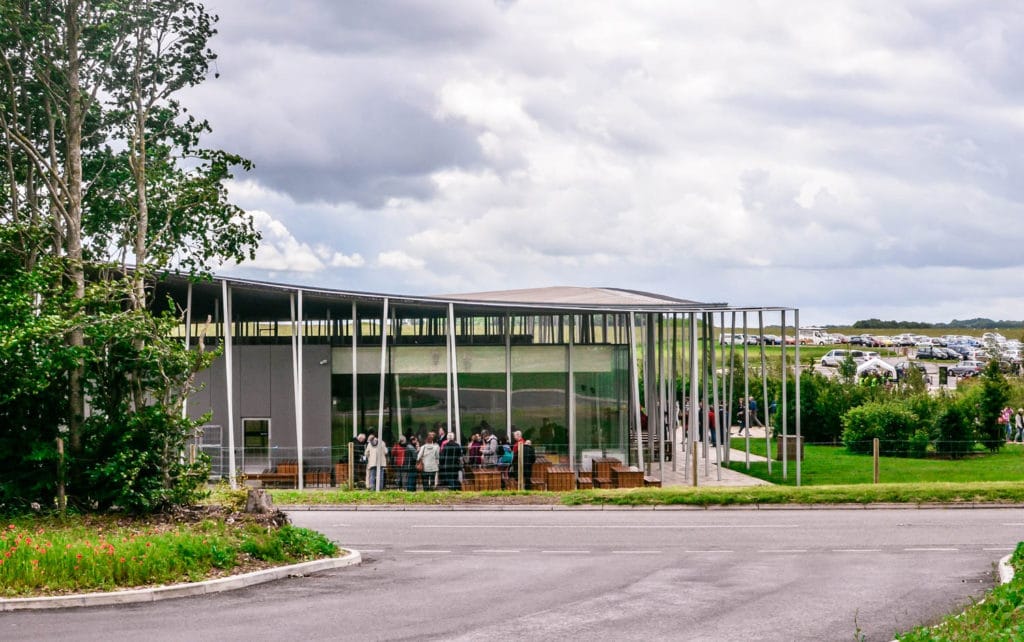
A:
[1013,424]
[438,460]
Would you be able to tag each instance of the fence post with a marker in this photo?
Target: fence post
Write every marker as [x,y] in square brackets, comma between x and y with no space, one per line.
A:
[520,454]
[61,500]
[351,467]
[874,457]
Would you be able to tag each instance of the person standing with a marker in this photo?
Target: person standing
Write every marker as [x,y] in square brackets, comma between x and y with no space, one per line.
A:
[429,454]
[359,457]
[451,463]
[398,462]
[492,450]
[410,464]
[376,462]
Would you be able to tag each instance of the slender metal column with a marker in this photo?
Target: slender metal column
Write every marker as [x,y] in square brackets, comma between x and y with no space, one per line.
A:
[731,395]
[796,366]
[449,342]
[650,384]
[634,387]
[188,340]
[785,407]
[508,377]
[457,412]
[662,408]
[719,419]
[692,458]
[764,391]
[383,379]
[572,393]
[673,407]
[355,379]
[746,391]
[296,342]
[229,375]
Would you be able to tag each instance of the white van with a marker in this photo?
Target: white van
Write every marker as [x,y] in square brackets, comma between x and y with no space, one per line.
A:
[833,358]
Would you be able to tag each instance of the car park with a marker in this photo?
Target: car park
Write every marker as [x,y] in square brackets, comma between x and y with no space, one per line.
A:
[966,369]
[903,366]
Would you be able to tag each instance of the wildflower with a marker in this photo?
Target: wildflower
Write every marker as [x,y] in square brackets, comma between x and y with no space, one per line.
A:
[78,557]
[122,560]
[40,532]
[35,562]
[11,527]
[148,544]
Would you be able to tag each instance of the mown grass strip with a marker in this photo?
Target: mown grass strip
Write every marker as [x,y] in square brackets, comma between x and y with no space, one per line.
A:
[76,555]
[833,465]
[1000,616]
[951,493]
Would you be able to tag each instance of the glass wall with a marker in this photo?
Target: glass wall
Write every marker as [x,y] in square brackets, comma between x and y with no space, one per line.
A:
[481,389]
[540,381]
[601,380]
[418,376]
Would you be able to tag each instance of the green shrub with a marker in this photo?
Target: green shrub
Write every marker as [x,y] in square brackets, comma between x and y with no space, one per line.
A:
[953,431]
[889,421]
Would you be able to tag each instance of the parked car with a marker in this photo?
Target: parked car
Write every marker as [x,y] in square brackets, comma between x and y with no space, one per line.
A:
[833,358]
[966,369]
[861,340]
[946,353]
[733,339]
[926,351]
[771,340]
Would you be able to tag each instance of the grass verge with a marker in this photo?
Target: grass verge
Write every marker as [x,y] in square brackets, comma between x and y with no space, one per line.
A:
[833,465]
[999,617]
[51,556]
[952,493]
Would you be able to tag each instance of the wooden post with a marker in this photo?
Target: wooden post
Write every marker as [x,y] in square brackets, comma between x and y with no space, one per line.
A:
[61,499]
[351,467]
[520,453]
[874,456]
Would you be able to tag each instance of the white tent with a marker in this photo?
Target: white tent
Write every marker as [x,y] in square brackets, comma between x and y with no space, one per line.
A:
[875,364]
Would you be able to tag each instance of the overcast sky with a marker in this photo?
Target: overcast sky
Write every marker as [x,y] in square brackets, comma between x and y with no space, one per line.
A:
[853,159]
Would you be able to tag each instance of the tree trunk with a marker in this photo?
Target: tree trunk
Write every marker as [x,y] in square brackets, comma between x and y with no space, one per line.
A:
[73,236]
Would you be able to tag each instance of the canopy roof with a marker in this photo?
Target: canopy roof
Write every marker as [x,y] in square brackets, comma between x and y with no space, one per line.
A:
[875,363]
[259,300]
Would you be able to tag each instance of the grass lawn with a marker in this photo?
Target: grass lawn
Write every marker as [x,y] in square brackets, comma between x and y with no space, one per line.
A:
[79,554]
[834,465]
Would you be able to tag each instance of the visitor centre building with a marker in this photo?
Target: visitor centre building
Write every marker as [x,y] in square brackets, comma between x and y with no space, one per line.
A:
[583,373]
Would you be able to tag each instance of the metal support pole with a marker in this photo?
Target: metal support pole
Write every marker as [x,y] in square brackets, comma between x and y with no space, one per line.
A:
[764,390]
[746,392]
[796,360]
[634,387]
[693,398]
[730,397]
[572,393]
[508,377]
[674,408]
[228,372]
[455,376]
[188,339]
[719,420]
[383,378]
[785,407]
[355,378]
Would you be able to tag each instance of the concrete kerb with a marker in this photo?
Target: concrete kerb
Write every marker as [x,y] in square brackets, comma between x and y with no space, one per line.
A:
[173,591]
[641,507]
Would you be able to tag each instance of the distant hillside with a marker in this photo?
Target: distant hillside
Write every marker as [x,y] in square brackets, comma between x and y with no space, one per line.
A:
[967,324]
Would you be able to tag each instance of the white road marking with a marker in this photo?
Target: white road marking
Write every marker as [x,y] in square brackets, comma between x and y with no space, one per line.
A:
[856,550]
[573,552]
[426,551]
[496,550]
[702,552]
[783,550]
[637,552]
[369,550]
[931,550]
[1000,550]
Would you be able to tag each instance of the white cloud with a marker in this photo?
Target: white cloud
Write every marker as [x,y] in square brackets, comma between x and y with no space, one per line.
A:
[280,251]
[837,156]
[399,260]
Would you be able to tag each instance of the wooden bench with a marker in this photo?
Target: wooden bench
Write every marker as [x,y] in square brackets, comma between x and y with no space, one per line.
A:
[652,481]
[560,478]
[585,482]
[601,471]
[623,477]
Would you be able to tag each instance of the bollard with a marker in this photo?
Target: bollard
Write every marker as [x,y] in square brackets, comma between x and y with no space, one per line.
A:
[519,459]
[874,456]
[61,500]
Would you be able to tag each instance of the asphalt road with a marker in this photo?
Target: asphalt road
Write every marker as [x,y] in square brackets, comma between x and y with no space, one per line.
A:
[576,574]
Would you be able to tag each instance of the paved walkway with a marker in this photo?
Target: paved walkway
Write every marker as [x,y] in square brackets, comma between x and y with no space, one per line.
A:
[707,471]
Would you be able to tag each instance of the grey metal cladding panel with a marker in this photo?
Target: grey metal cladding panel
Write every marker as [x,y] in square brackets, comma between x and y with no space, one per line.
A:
[282,397]
[200,401]
[316,403]
[254,380]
